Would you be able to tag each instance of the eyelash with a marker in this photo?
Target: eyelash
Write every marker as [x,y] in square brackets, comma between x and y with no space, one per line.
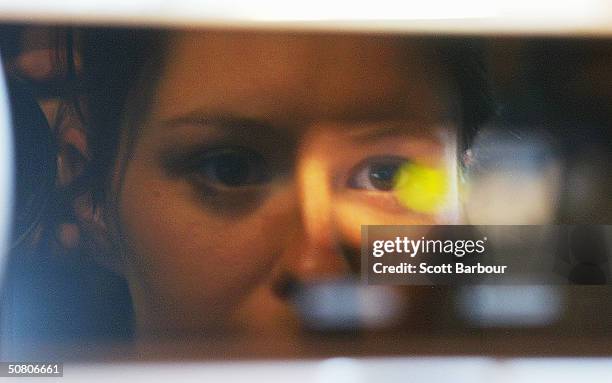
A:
[228,167]
[233,168]
[376,173]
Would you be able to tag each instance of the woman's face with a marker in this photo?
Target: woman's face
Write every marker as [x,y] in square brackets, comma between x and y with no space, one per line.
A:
[261,157]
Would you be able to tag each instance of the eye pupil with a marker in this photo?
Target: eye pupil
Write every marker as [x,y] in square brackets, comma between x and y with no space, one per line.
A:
[232,169]
[382,176]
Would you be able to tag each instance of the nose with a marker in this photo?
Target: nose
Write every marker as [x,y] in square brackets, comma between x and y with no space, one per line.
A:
[314,252]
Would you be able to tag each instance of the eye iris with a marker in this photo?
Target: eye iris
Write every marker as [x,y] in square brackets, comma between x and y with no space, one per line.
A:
[232,169]
[382,176]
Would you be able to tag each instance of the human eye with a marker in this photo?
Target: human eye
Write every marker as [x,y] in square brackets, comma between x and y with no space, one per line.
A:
[376,173]
[225,168]
[392,182]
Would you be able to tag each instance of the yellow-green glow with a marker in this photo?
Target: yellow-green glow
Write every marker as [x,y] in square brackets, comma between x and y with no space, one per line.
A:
[421,188]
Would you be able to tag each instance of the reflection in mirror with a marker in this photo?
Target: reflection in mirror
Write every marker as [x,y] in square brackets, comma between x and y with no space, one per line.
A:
[216,181]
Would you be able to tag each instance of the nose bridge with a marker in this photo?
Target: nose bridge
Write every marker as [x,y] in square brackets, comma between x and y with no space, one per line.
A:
[315,197]
[316,254]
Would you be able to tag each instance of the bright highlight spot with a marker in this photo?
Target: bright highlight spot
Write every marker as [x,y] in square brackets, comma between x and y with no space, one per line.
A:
[421,188]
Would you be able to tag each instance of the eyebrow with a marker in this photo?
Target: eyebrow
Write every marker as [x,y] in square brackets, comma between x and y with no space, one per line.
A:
[218,120]
[385,129]
[235,127]
[360,130]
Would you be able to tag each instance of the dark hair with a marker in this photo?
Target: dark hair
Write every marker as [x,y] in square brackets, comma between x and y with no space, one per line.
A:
[35,164]
[34,146]
[112,61]
[464,60]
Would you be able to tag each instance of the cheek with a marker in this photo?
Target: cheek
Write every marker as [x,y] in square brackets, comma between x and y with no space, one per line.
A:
[181,252]
[350,215]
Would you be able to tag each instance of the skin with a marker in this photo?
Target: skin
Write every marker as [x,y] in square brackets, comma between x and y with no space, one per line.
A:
[201,255]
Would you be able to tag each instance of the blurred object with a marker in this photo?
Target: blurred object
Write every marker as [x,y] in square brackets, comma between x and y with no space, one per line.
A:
[6,172]
[470,369]
[344,305]
[421,188]
[572,17]
[509,306]
[561,86]
[588,183]
[514,178]
[589,250]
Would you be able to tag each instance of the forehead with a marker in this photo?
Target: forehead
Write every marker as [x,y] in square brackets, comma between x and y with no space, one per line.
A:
[297,77]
